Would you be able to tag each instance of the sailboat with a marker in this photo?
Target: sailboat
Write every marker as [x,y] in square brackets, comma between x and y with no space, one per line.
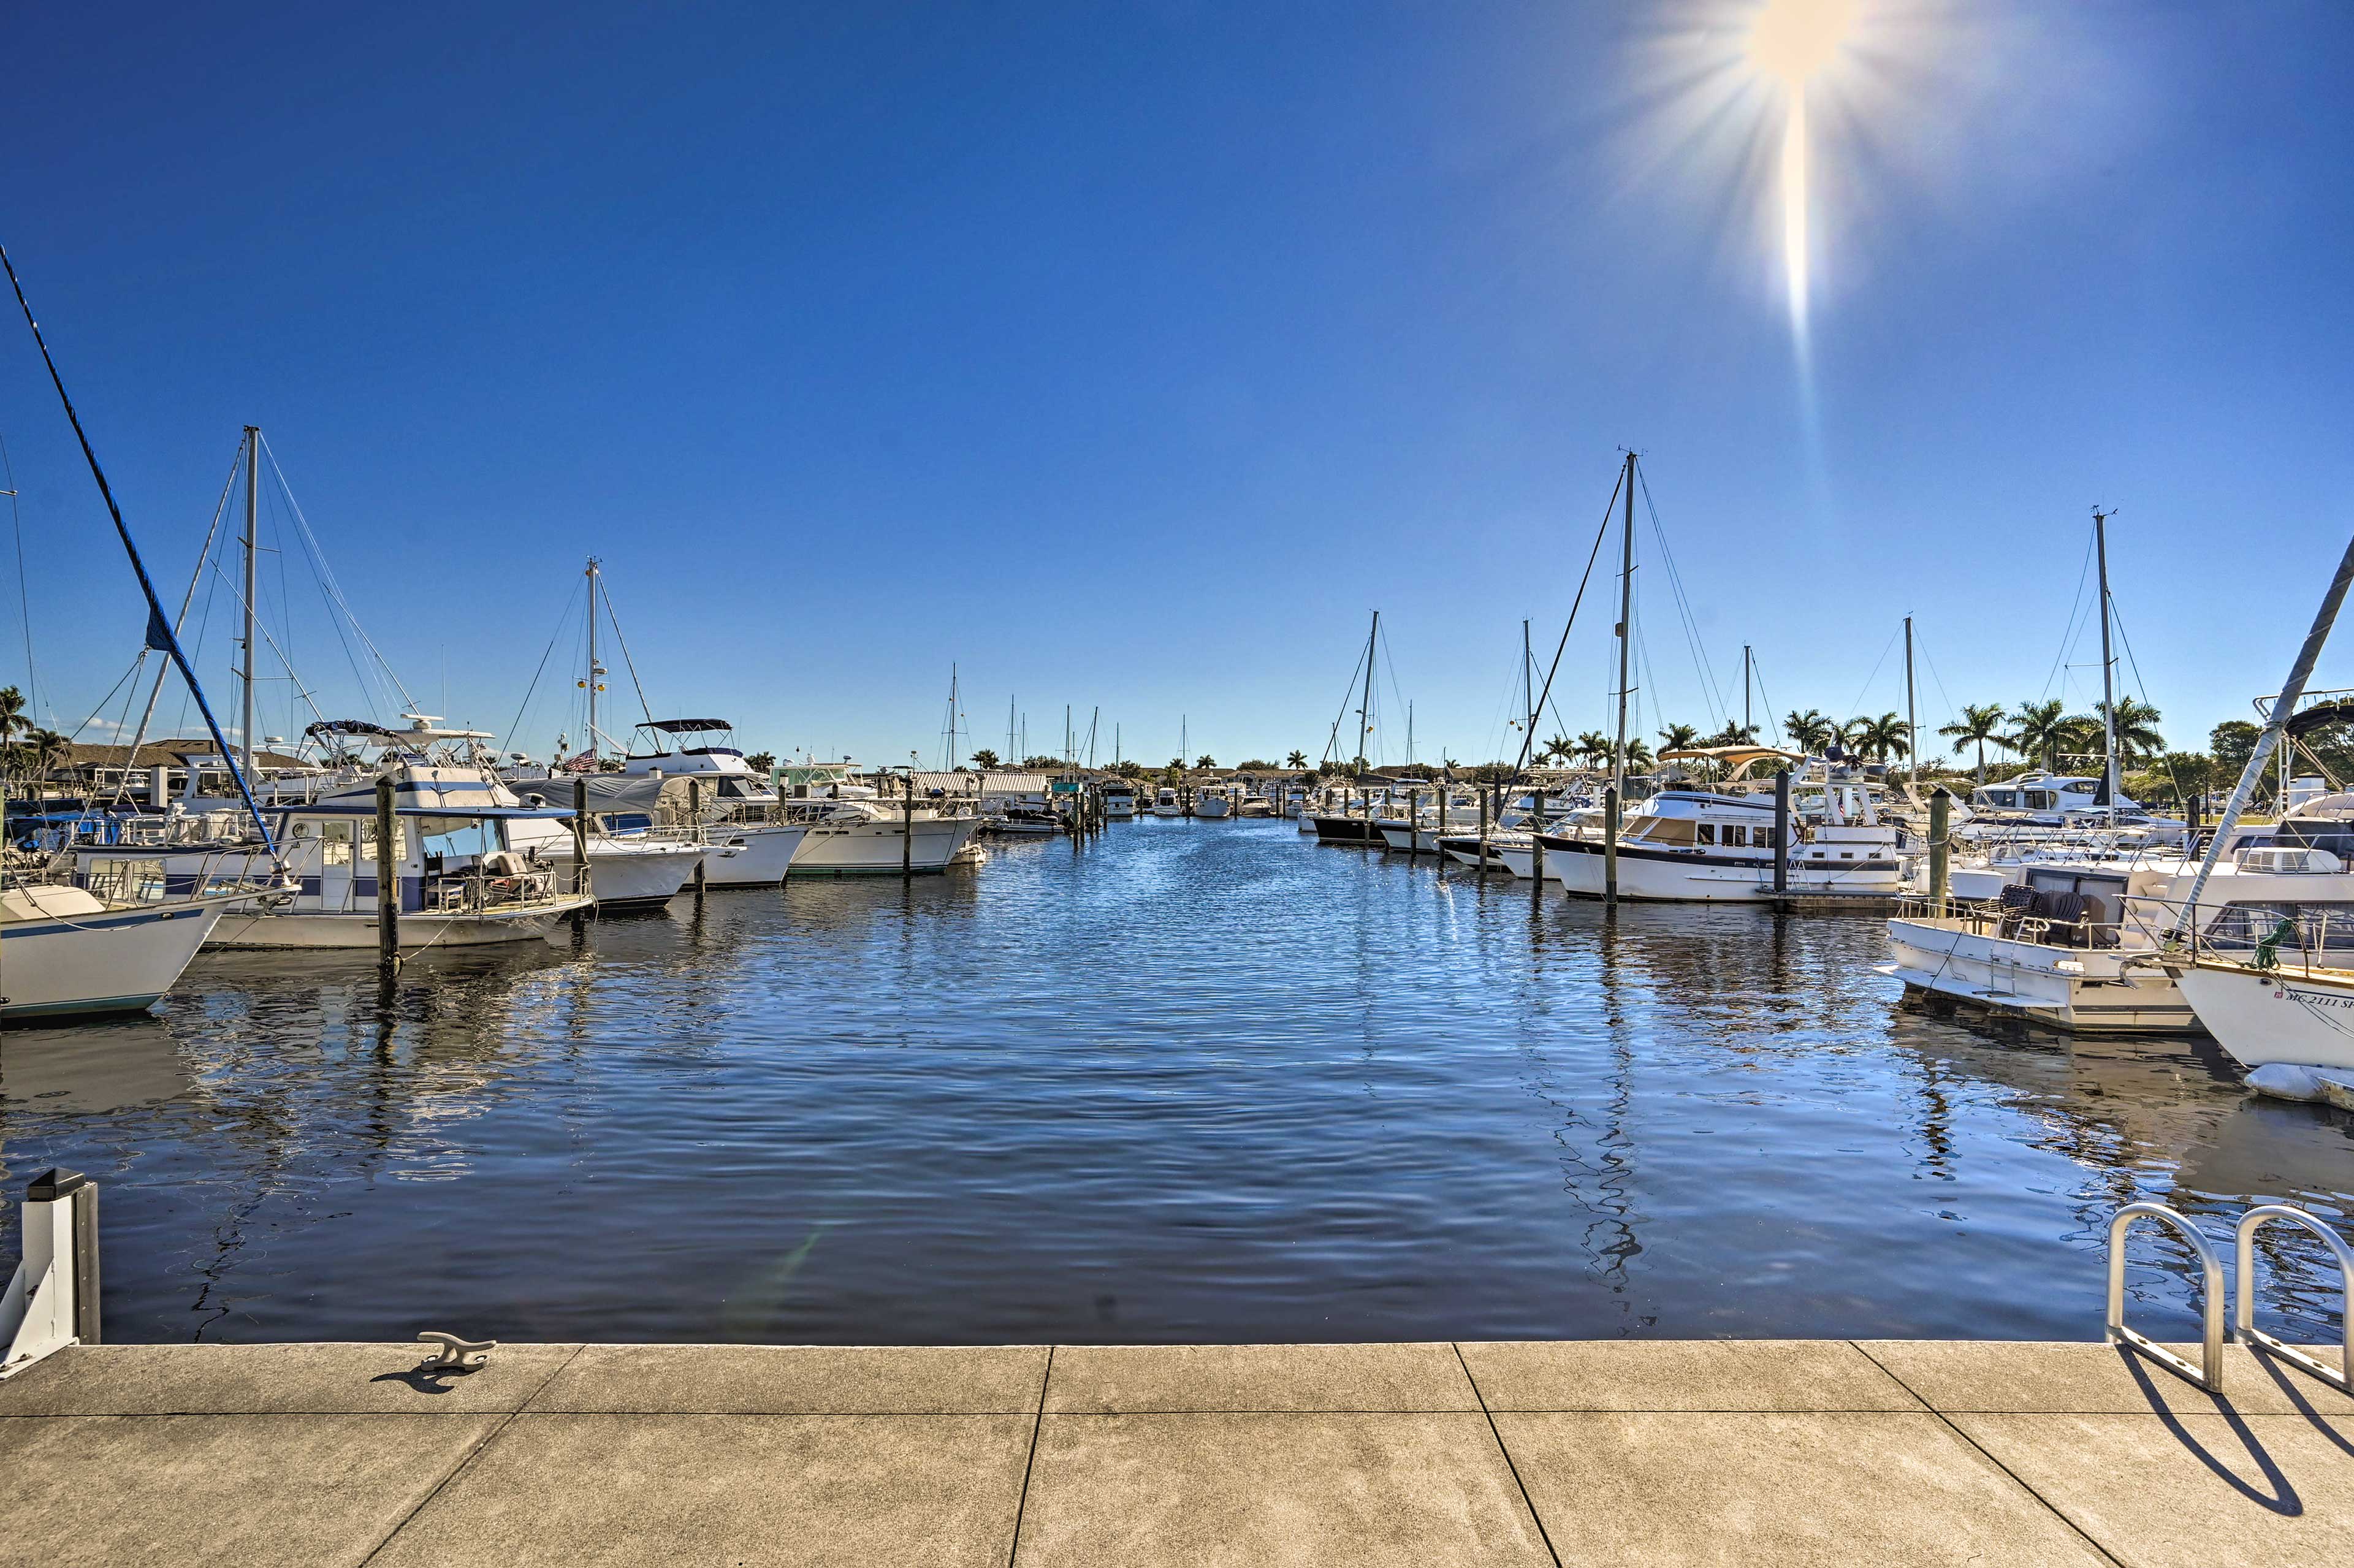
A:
[1352,824]
[2271,1008]
[68,952]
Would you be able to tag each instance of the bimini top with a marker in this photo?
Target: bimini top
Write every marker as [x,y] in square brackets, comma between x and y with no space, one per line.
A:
[471,813]
[686,726]
[1739,759]
[346,727]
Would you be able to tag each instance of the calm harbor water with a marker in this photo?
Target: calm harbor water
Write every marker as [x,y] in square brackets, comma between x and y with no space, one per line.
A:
[1198,1081]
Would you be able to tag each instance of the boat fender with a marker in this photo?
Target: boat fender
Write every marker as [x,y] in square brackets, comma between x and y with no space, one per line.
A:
[2284,1081]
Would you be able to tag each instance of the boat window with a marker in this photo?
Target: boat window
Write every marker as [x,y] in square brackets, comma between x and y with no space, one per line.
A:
[2039,800]
[335,843]
[364,836]
[1708,832]
[125,881]
[1734,836]
[2317,927]
[1663,830]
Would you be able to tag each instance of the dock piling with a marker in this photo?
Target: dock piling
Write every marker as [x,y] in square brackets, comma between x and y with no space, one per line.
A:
[387,881]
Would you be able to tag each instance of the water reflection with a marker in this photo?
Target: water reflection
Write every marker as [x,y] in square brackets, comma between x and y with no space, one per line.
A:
[1193,1080]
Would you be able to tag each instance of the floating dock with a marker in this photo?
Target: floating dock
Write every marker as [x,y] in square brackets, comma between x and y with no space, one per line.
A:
[1750,1452]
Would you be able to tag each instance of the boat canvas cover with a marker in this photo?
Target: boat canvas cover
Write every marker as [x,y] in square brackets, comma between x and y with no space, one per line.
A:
[607,792]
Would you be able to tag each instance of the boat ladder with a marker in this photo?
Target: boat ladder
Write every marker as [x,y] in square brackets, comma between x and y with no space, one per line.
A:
[2207,1372]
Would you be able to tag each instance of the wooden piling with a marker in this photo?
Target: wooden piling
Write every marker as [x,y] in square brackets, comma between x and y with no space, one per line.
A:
[388,880]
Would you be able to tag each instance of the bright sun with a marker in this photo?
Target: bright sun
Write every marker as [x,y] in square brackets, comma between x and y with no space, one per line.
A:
[1792,41]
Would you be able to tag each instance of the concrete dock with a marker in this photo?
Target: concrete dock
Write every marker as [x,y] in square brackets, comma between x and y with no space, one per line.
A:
[1752,1453]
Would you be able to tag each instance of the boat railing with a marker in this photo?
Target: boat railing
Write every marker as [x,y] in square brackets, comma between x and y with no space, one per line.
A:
[473,890]
[2023,914]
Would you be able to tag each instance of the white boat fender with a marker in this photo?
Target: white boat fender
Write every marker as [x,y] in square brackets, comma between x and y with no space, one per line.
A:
[2315,1086]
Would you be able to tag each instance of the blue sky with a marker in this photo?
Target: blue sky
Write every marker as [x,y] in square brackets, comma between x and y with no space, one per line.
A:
[1127,357]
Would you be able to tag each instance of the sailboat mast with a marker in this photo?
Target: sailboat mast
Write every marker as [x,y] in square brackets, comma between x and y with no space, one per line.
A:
[1365,702]
[1529,682]
[1625,630]
[1746,722]
[2108,670]
[253,515]
[1912,727]
[595,670]
[2275,722]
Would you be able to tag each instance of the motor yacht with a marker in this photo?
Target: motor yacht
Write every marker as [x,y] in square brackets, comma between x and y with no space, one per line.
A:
[853,832]
[708,785]
[2078,943]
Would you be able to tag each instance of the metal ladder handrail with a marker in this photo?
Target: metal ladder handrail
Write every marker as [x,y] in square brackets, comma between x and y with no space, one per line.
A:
[2209,1373]
[2245,1328]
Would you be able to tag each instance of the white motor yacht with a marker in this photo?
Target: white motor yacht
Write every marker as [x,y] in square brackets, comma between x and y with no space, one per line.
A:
[862,835]
[1695,846]
[1166,804]
[2078,943]
[1119,802]
[1213,802]
[711,788]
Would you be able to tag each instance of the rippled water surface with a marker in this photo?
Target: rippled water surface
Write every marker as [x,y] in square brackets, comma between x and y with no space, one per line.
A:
[1200,1081]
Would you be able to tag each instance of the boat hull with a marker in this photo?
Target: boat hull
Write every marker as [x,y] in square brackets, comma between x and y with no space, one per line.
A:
[628,876]
[759,856]
[94,965]
[1654,876]
[876,849]
[2267,1016]
[419,930]
[1359,831]
[2100,993]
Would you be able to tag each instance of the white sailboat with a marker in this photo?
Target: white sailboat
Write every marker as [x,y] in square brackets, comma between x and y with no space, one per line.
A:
[69,952]
[2267,1008]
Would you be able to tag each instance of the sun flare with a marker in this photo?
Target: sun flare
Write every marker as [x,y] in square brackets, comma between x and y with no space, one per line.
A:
[1792,42]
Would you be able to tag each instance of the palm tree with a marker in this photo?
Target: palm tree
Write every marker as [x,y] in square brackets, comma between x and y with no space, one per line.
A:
[1809,731]
[1296,760]
[1637,754]
[46,748]
[2039,730]
[984,758]
[1734,735]
[1592,746]
[2137,728]
[1679,737]
[1979,723]
[1560,748]
[1880,738]
[1205,760]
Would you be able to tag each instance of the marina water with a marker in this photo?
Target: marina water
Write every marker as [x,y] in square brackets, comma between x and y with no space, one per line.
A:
[1191,1082]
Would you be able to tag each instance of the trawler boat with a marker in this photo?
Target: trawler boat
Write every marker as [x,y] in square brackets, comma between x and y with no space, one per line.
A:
[1119,802]
[852,836]
[2079,945]
[1213,803]
[468,873]
[451,768]
[735,806]
[2058,801]
[1166,804]
[1700,847]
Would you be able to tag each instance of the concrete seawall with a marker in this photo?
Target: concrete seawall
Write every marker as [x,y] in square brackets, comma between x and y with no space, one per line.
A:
[1756,1453]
